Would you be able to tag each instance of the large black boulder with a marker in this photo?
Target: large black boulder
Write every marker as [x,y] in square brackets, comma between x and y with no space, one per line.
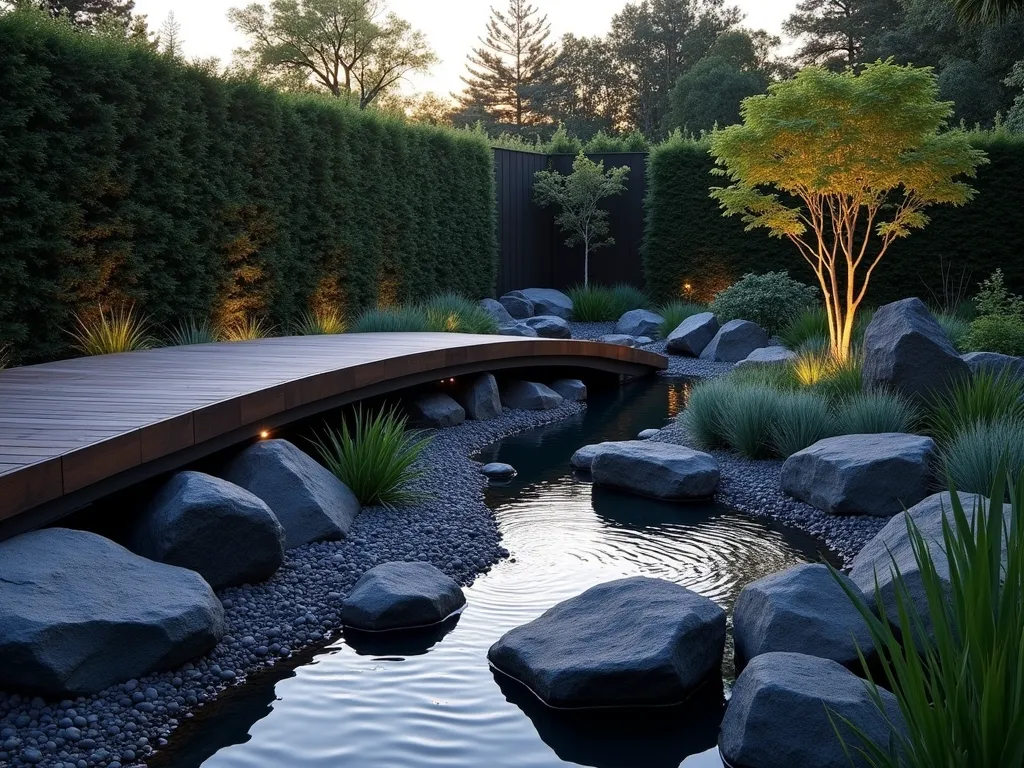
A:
[479,397]
[311,503]
[79,613]
[630,642]
[191,517]
[786,707]
[401,595]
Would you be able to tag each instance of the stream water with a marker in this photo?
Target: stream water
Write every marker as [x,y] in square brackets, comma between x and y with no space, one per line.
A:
[431,700]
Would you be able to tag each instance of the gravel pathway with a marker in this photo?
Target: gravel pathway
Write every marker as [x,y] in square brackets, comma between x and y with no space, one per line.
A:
[298,607]
[678,365]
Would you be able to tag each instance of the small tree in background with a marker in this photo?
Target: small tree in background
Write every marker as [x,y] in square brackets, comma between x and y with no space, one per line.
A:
[579,195]
[859,157]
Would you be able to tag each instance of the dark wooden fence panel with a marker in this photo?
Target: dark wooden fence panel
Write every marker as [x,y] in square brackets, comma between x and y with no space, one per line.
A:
[532,248]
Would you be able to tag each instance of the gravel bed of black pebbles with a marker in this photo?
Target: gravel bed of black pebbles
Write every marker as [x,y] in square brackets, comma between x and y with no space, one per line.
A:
[677,365]
[754,487]
[296,608]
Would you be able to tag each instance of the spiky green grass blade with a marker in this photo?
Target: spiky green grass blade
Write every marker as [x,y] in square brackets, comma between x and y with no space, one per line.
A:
[973,456]
[319,322]
[984,398]
[868,413]
[452,313]
[593,304]
[674,312]
[394,320]
[109,331]
[801,420]
[375,457]
[247,328]
[192,331]
[748,417]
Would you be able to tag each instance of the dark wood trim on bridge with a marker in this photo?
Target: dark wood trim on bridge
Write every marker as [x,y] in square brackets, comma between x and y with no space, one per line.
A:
[75,430]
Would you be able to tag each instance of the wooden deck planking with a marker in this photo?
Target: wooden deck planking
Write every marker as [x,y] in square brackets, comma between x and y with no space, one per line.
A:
[70,425]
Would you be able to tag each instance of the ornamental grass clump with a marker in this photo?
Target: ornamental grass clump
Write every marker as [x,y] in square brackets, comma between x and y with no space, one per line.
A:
[704,416]
[810,327]
[628,297]
[593,303]
[956,327]
[246,328]
[375,457]
[452,313]
[800,420]
[974,455]
[674,312]
[869,413]
[192,331]
[960,688]
[5,356]
[392,320]
[319,322]
[749,415]
[982,399]
[109,331]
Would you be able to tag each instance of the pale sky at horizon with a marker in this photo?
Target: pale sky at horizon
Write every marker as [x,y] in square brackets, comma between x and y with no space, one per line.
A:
[451,26]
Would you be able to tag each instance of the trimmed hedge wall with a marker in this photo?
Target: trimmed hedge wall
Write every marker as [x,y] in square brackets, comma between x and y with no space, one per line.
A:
[688,241]
[127,175]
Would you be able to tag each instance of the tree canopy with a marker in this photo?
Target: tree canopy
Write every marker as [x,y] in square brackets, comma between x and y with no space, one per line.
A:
[857,158]
[353,48]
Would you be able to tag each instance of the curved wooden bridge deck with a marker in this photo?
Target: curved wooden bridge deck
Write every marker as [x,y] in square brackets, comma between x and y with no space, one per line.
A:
[75,430]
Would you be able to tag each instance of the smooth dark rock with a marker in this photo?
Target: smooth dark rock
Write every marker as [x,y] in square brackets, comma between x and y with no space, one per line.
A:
[517,305]
[692,336]
[497,470]
[995,364]
[549,327]
[647,434]
[893,543]
[878,475]
[639,322]
[401,596]
[644,340]
[572,390]
[734,341]
[619,338]
[905,349]
[496,310]
[635,641]
[434,410]
[310,502]
[517,329]
[658,470]
[529,396]
[779,714]
[768,356]
[192,516]
[548,301]
[479,397]
[584,458]
[79,613]
[802,609]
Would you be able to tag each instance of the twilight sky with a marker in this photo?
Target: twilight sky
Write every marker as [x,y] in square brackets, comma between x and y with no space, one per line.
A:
[452,26]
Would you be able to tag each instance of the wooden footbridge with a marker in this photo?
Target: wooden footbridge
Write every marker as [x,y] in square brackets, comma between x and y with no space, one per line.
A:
[76,430]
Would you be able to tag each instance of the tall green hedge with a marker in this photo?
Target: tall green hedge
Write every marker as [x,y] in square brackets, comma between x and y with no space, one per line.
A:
[688,241]
[127,175]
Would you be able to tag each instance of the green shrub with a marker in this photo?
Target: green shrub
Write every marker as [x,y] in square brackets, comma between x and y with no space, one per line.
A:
[192,331]
[994,298]
[984,398]
[107,332]
[749,415]
[956,328]
[973,456]
[593,304]
[319,322]
[393,320]
[452,313]
[771,300]
[704,416]
[375,458]
[996,333]
[628,297]
[868,413]
[800,419]
[158,182]
[674,312]
[811,325]
[961,694]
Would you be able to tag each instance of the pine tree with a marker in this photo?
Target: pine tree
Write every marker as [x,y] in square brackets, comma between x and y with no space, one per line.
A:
[508,70]
[170,37]
[87,13]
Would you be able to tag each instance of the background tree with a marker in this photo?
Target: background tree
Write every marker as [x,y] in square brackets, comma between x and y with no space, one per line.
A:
[711,92]
[862,155]
[579,195]
[582,90]
[168,39]
[834,33]
[87,13]
[510,68]
[654,42]
[350,47]
[987,11]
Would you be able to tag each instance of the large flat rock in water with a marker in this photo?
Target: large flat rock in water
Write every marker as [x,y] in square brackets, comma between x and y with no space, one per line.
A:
[658,470]
[401,595]
[879,474]
[191,517]
[778,716]
[802,609]
[311,503]
[630,642]
[79,613]
[892,548]
[906,349]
